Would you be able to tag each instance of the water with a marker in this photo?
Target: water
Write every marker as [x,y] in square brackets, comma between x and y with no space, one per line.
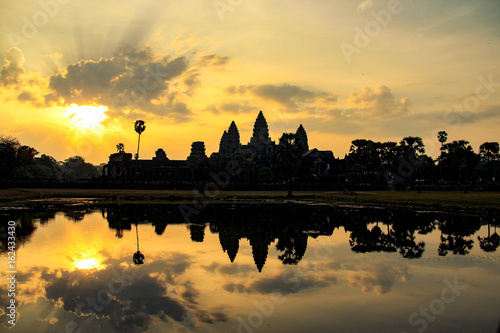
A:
[251,268]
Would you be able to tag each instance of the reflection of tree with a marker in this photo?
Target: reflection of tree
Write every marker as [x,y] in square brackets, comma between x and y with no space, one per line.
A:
[25,225]
[454,231]
[292,243]
[374,240]
[490,243]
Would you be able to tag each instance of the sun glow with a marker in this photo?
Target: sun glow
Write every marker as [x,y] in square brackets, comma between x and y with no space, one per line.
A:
[87,263]
[86,117]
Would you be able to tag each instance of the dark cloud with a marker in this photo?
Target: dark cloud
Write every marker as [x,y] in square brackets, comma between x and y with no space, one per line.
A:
[132,79]
[13,70]
[234,287]
[229,269]
[190,294]
[211,317]
[192,80]
[213,59]
[239,107]
[130,83]
[26,96]
[288,282]
[290,96]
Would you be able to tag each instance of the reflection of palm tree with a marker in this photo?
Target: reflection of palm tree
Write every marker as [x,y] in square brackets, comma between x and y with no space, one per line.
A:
[138,257]
[490,243]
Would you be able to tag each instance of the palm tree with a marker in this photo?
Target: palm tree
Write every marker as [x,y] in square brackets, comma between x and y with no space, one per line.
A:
[120,148]
[139,128]
[442,137]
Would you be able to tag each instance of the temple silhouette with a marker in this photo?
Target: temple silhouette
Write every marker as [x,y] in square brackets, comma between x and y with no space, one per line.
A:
[258,156]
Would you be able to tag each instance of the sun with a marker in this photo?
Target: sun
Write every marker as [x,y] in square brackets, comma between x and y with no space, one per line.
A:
[86,117]
[87,264]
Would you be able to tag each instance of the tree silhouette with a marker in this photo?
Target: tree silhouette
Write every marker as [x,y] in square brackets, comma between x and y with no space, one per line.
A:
[442,137]
[490,243]
[490,152]
[289,154]
[458,159]
[139,128]
[120,148]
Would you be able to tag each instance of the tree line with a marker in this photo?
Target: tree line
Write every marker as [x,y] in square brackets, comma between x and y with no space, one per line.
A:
[21,162]
[398,165]
[405,163]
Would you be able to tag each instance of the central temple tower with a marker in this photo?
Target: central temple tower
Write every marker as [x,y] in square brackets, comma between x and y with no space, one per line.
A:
[260,140]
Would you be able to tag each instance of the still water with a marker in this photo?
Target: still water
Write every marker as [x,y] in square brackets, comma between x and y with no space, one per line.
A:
[250,268]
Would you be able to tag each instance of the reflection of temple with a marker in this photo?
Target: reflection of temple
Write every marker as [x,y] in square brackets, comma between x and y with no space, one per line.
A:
[287,226]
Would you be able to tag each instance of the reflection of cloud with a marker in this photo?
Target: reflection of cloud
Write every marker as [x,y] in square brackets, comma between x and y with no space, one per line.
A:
[378,278]
[288,281]
[211,316]
[125,298]
[229,269]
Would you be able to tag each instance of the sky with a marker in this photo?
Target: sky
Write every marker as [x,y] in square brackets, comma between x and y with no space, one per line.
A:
[76,75]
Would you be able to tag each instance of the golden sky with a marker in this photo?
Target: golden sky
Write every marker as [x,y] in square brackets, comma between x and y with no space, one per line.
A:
[344,69]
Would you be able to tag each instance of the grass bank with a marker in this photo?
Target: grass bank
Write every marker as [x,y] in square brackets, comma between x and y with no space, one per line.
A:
[438,200]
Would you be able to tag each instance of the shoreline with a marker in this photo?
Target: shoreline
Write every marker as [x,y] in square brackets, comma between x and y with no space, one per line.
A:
[477,203]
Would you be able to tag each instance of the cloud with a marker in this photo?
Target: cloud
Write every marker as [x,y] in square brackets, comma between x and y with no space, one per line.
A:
[212,60]
[27,96]
[132,82]
[211,317]
[379,101]
[129,80]
[13,70]
[238,107]
[291,96]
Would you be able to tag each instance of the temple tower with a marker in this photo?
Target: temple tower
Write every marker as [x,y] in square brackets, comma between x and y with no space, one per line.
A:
[260,141]
[301,133]
[198,150]
[230,141]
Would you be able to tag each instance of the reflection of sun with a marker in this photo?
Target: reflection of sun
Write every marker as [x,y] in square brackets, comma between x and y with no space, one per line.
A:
[87,263]
[86,117]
